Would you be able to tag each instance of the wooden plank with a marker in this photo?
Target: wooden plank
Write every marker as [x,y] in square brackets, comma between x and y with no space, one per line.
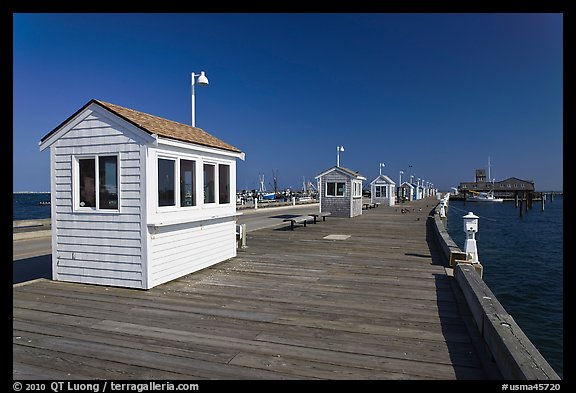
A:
[192,368]
[164,346]
[380,363]
[41,364]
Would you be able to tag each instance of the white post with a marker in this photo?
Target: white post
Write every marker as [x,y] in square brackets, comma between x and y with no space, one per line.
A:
[193,114]
[338,150]
[255,203]
[471,227]
[293,201]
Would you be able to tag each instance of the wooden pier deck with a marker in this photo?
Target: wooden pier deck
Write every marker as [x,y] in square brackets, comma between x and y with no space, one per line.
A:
[293,305]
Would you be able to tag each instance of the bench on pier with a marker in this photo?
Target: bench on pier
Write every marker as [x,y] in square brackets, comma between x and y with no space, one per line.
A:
[367,206]
[322,214]
[296,220]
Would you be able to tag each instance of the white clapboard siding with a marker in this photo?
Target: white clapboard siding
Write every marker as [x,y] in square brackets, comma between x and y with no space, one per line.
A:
[99,227]
[200,244]
[85,279]
[86,240]
[98,247]
[100,265]
[98,234]
[62,165]
[66,249]
[100,257]
[124,217]
[109,148]
[132,179]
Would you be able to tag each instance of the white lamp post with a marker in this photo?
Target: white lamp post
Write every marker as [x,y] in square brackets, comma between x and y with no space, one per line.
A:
[471,228]
[202,81]
[400,179]
[338,150]
[381,166]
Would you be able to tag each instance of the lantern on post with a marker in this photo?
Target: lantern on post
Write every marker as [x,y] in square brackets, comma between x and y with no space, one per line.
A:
[471,228]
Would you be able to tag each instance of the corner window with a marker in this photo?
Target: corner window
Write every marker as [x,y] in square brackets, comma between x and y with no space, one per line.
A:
[223,184]
[97,180]
[209,183]
[187,183]
[166,191]
[335,188]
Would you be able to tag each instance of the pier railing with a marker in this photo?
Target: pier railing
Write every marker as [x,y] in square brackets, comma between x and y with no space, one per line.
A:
[512,351]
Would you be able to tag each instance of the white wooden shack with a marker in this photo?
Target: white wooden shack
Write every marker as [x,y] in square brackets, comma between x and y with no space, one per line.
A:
[340,191]
[383,190]
[138,200]
[406,192]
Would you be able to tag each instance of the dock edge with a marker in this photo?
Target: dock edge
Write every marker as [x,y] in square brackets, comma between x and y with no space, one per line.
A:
[512,351]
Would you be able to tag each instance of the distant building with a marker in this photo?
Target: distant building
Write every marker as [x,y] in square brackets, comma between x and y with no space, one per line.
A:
[383,190]
[406,192]
[340,191]
[502,189]
[138,200]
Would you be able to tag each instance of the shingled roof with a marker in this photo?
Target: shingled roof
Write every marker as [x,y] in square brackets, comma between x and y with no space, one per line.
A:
[159,126]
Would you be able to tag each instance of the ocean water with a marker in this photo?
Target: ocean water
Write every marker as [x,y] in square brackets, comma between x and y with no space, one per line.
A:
[26,206]
[523,265]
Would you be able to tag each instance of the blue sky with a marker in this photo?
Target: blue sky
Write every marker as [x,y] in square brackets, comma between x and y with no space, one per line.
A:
[439,92]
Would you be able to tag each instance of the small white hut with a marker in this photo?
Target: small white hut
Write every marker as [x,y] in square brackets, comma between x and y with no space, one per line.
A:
[383,190]
[138,200]
[340,192]
[406,192]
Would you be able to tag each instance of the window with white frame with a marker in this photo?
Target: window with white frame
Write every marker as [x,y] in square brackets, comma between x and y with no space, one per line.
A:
[209,183]
[176,182]
[357,189]
[380,191]
[97,182]
[223,184]
[166,182]
[187,183]
[335,188]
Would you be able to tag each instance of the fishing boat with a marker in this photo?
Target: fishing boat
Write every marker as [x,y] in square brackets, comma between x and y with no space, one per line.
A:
[268,196]
[483,197]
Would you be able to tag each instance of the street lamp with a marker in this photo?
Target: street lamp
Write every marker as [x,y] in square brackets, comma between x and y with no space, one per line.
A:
[338,150]
[202,81]
[400,180]
[381,166]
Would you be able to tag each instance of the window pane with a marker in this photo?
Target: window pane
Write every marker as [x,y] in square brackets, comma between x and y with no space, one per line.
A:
[166,182]
[187,183]
[384,191]
[331,189]
[223,183]
[108,179]
[87,169]
[209,173]
[340,188]
[377,191]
